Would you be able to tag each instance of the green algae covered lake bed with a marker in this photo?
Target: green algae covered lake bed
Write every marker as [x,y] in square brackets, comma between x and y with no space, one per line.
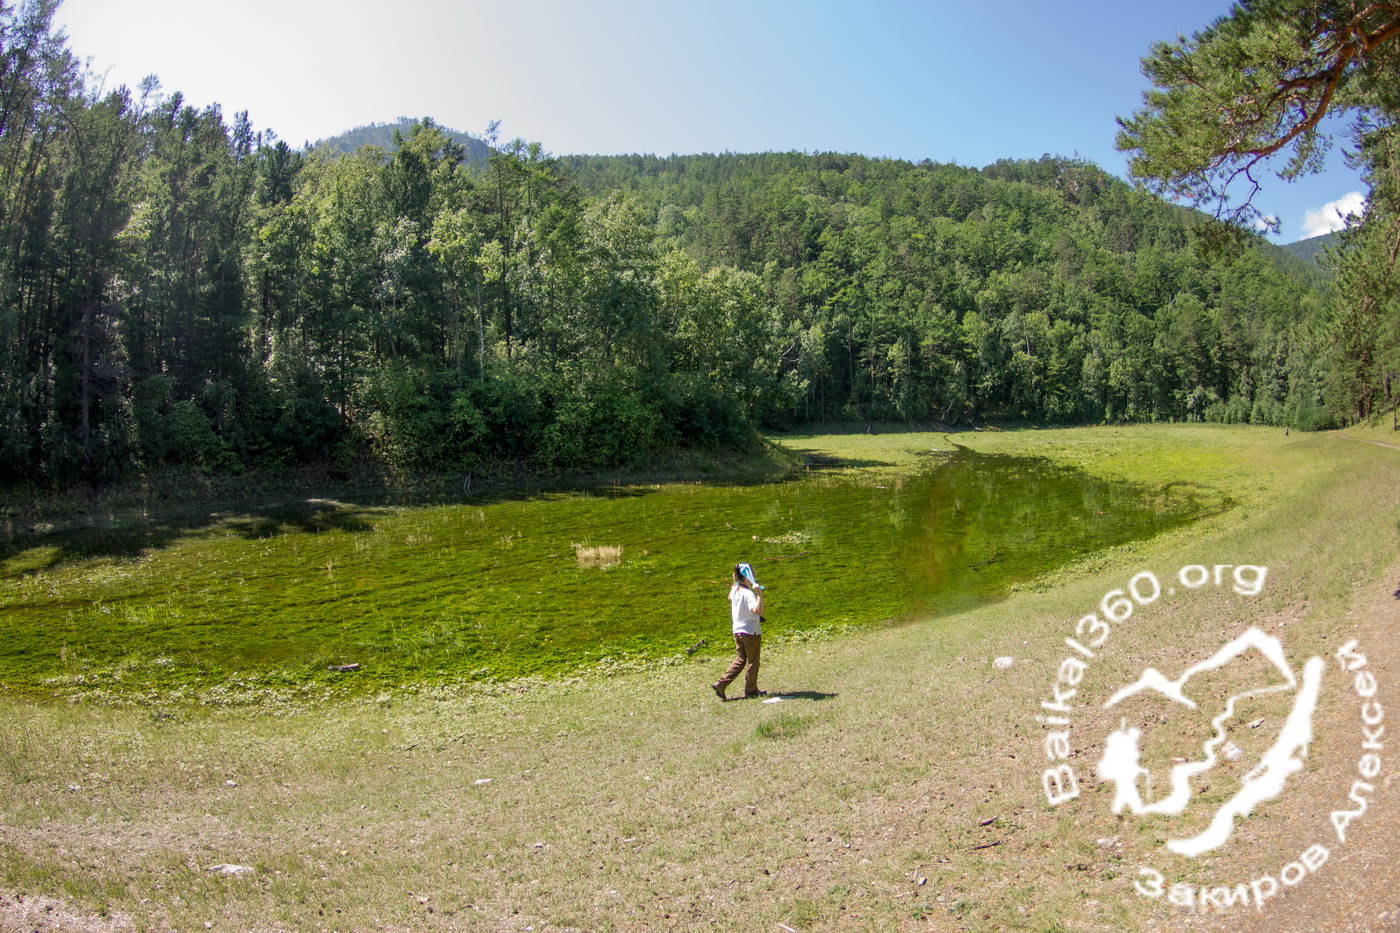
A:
[235,606]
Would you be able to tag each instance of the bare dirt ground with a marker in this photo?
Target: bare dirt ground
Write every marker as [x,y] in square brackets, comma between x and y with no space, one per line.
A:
[1358,891]
[42,914]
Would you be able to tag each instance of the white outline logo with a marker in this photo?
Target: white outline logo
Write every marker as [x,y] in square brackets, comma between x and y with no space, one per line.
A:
[1121,766]
[1121,761]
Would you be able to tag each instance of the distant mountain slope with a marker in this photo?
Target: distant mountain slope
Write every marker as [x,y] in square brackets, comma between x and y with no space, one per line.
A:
[1298,263]
[1311,249]
[751,209]
[382,134]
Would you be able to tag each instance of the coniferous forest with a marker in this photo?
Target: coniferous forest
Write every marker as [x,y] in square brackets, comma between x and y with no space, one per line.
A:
[179,288]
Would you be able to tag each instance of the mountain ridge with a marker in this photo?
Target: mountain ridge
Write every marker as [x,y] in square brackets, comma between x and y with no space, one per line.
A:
[1310,249]
[382,135]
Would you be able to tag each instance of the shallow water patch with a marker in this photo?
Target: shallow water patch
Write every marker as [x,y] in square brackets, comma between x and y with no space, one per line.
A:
[497,589]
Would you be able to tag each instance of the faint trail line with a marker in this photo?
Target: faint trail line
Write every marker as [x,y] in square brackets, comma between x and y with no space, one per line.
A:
[1362,440]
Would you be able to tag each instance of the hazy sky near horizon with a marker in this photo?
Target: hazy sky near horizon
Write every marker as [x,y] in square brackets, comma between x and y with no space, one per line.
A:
[951,82]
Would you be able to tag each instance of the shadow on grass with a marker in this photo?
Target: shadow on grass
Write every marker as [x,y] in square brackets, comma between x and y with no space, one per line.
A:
[814,695]
[821,461]
[129,540]
[315,516]
[29,551]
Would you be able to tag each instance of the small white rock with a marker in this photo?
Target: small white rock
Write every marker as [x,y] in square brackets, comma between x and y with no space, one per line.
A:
[480,781]
[1003,662]
[227,869]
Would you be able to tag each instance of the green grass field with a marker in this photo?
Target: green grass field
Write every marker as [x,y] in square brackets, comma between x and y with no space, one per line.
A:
[897,788]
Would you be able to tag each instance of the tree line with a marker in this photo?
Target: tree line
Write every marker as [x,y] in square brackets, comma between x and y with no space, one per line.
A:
[1253,89]
[180,289]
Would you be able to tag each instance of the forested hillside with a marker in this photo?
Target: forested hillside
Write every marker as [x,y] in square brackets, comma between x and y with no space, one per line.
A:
[1041,290]
[177,288]
[1314,249]
[383,135]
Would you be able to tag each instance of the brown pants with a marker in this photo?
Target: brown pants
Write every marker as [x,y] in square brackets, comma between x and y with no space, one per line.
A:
[748,647]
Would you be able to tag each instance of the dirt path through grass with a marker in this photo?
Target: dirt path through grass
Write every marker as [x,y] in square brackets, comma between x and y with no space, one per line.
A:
[1368,441]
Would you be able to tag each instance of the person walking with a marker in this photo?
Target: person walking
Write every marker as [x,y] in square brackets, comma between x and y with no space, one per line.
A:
[746,614]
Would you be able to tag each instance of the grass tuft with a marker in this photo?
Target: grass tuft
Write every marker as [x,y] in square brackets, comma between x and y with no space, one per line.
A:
[601,556]
[784,726]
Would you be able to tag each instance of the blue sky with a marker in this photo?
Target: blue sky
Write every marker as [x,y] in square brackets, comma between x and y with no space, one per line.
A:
[951,82]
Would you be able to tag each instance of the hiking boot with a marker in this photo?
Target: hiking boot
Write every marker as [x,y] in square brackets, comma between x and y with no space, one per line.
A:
[719,692]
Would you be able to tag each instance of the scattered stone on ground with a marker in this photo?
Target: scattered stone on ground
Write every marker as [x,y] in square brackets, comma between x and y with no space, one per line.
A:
[42,913]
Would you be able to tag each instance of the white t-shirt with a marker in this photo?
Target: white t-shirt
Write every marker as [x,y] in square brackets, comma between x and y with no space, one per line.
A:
[743,609]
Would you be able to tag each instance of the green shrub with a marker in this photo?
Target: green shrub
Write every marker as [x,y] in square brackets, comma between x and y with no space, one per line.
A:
[606,423]
[193,441]
[420,419]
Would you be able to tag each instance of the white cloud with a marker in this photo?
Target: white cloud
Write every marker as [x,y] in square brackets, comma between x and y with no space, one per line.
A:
[1332,215]
[1266,223]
